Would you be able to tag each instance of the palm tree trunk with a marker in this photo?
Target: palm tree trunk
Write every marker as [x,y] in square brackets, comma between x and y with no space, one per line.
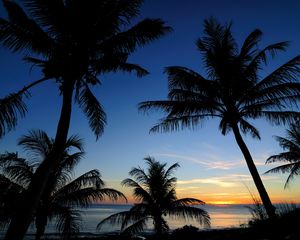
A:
[158,227]
[254,173]
[40,223]
[19,224]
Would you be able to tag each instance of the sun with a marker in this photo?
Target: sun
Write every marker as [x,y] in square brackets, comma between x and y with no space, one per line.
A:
[222,202]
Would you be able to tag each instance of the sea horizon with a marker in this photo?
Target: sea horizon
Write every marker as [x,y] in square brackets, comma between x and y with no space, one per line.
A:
[223,216]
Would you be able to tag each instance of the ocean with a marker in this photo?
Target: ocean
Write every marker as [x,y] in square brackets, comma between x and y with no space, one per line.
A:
[222,216]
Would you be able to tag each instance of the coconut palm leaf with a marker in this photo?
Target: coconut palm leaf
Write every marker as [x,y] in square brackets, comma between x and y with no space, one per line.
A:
[140,34]
[115,219]
[69,221]
[136,227]
[92,109]
[11,107]
[37,143]
[291,157]
[193,213]
[19,33]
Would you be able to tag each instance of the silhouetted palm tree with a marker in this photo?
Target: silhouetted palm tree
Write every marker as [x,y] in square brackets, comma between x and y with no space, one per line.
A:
[155,190]
[291,157]
[62,195]
[233,91]
[74,42]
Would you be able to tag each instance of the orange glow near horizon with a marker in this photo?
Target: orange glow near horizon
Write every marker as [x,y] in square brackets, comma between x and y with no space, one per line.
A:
[230,193]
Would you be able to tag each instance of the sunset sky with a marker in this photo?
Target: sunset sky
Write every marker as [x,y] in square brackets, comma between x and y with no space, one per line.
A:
[212,166]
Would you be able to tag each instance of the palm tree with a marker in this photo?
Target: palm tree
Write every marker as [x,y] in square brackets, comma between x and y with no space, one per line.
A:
[291,157]
[63,194]
[73,42]
[233,91]
[155,191]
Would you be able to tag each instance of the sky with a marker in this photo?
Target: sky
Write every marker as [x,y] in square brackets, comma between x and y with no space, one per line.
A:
[212,166]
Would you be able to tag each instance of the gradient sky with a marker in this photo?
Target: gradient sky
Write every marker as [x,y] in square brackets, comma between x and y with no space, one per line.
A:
[212,166]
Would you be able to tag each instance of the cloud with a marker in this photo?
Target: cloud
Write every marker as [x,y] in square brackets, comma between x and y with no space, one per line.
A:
[213,180]
[217,161]
[214,163]
[228,181]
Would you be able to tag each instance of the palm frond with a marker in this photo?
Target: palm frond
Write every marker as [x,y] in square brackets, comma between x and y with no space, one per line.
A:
[140,175]
[90,178]
[286,73]
[21,172]
[278,118]
[178,123]
[37,143]
[68,222]
[114,219]
[141,34]
[111,194]
[11,107]
[250,42]
[261,57]
[117,62]
[188,212]
[170,170]
[292,168]
[71,160]
[93,110]
[185,78]
[138,191]
[50,14]
[8,158]
[136,227]
[187,202]
[290,156]
[82,197]
[74,141]
[246,127]
[21,33]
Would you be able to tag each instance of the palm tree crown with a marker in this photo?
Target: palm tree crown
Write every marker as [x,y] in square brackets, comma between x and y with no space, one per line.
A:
[291,157]
[78,40]
[233,90]
[63,193]
[155,191]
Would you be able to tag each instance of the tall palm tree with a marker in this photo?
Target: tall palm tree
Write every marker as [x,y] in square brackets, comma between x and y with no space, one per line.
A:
[63,194]
[155,191]
[73,42]
[291,157]
[233,91]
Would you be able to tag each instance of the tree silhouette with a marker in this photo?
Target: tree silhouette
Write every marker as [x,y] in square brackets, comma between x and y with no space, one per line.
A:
[73,42]
[155,191]
[63,194]
[291,157]
[233,91]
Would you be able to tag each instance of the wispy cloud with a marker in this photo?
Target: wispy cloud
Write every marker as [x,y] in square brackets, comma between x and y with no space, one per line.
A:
[212,158]
[228,181]
[213,180]
[213,163]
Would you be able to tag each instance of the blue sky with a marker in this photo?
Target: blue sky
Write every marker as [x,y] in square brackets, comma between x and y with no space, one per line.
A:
[212,167]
